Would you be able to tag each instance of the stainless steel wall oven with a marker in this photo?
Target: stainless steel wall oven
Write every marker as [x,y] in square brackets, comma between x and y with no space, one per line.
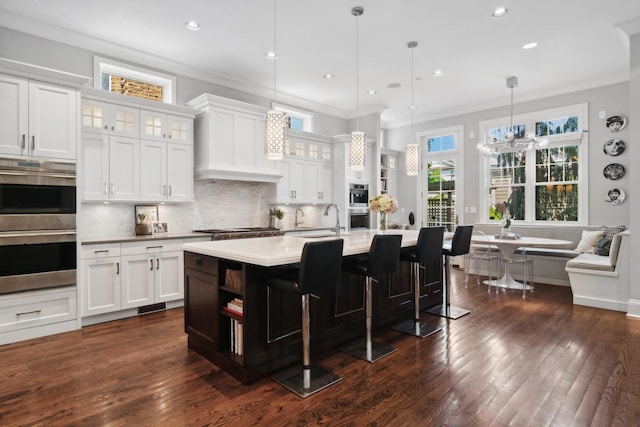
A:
[358,218]
[358,195]
[37,225]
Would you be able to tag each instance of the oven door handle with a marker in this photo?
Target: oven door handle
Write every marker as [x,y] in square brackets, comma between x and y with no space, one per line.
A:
[36,237]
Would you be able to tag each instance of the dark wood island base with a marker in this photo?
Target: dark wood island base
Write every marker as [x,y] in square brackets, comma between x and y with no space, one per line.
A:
[253,349]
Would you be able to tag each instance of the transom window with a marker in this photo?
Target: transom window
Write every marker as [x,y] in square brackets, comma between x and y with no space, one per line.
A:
[542,186]
[297,119]
[113,76]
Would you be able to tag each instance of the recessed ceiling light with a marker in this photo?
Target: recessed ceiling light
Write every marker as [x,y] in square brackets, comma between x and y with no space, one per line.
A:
[192,25]
[500,11]
[530,45]
[438,73]
[271,55]
[394,85]
[328,76]
[372,92]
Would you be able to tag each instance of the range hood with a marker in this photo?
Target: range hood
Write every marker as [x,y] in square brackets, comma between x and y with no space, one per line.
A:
[229,141]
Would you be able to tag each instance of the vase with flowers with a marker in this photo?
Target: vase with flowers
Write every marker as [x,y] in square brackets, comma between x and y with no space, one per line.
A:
[385,204]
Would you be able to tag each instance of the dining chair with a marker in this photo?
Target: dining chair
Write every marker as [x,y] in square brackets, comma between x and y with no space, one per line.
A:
[481,254]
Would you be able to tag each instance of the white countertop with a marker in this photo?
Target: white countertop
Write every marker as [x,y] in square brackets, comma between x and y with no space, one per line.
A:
[280,250]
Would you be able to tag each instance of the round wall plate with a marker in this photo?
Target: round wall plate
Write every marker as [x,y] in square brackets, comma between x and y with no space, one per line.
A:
[616,122]
[615,196]
[613,171]
[614,147]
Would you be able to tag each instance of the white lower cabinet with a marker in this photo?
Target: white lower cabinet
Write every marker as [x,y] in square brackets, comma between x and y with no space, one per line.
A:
[121,276]
[153,275]
[37,313]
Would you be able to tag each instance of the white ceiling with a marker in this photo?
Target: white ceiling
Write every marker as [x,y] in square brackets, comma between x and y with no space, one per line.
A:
[579,46]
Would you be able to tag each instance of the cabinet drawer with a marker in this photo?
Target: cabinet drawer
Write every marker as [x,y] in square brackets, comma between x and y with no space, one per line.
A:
[100,251]
[151,247]
[202,263]
[37,309]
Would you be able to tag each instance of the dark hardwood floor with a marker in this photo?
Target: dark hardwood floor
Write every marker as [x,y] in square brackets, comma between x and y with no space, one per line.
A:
[534,362]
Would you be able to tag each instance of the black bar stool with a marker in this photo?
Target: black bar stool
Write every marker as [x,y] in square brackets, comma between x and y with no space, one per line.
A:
[428,251]
[383,259]
[319,269]
[459,246]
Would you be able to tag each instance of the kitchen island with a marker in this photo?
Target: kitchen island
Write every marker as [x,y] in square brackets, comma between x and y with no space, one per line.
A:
[263,338]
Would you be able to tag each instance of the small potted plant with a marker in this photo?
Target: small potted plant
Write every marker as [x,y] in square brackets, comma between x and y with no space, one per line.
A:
[142,227]
[275,217]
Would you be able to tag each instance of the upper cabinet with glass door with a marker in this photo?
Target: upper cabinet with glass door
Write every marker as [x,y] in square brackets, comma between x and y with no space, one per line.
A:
[165,127]
[110,119]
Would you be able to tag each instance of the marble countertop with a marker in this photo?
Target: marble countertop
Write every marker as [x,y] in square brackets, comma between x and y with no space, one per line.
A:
[281,250]
[143,238]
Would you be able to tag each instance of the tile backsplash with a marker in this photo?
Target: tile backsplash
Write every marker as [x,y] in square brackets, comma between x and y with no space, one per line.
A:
[217,204]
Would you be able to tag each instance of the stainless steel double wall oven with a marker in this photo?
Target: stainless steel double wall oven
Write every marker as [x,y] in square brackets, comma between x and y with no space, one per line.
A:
[37,225]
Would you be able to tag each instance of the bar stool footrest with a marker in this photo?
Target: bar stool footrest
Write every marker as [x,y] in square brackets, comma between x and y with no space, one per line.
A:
[292,379]
[359,349]
[448,312]
[416,329]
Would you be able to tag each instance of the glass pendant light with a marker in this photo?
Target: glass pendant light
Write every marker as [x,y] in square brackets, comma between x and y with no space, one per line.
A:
[358,146]
[412,153]
[275,121]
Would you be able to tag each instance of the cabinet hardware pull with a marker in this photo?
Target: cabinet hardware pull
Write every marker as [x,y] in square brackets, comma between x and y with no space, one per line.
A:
[170,190]
[113,188]
[157,263]
[33,142]
[164,135]
[154,247]
[101,251]
[151,268]
[117,268]
[113,128]
[23,140]
[199,262]
[164,190]
[22,313]
[106,188]
[106,127]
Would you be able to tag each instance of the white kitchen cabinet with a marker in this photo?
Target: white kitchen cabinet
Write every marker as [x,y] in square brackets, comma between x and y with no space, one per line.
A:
[166,171]
[120,165]
[319,181]
[37,119]
[110,167]
[152,272]
[101,271]
[293,185]
[158,126]
[110,119]
[229,141]
[26,315]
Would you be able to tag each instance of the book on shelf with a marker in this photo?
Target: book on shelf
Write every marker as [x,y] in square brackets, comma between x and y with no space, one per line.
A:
[235,306]
[235,338]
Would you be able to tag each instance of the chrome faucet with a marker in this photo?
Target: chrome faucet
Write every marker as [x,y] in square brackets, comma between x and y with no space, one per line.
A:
[297,223]
[335,229]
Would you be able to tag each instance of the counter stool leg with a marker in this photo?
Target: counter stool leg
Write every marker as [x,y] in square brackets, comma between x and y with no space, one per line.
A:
[414,327]
[311,379]
[445,310]
[368,350]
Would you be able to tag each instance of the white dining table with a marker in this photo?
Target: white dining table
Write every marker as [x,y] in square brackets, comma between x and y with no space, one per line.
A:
[508,247]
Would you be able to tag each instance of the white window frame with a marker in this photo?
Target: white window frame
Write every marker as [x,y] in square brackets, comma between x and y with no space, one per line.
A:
[306,116]
[529,120]
[108,66]
[426,156]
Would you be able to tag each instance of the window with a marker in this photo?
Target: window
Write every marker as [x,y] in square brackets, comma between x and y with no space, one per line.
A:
[543,186]
[133,81]
[297,119]
[441,160]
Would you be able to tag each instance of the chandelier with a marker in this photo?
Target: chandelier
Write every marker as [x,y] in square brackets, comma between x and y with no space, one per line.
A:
[358,146]
[275,132]
[412,152]
[510,143]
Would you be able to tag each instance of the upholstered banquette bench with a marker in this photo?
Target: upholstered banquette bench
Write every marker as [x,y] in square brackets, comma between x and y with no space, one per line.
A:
[602,281]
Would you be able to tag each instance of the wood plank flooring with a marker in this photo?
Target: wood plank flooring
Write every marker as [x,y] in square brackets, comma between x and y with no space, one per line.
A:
[511,362]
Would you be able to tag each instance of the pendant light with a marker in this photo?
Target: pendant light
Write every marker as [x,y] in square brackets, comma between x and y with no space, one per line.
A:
[412,154]
[358,146]
[274,130]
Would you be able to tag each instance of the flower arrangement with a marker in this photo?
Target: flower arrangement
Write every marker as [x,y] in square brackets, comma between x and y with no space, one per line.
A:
[385,204]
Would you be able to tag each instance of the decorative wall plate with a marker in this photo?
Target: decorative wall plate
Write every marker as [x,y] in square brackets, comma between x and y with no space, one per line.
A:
[614,147]
[613,171]
[615,196]
[616,123]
